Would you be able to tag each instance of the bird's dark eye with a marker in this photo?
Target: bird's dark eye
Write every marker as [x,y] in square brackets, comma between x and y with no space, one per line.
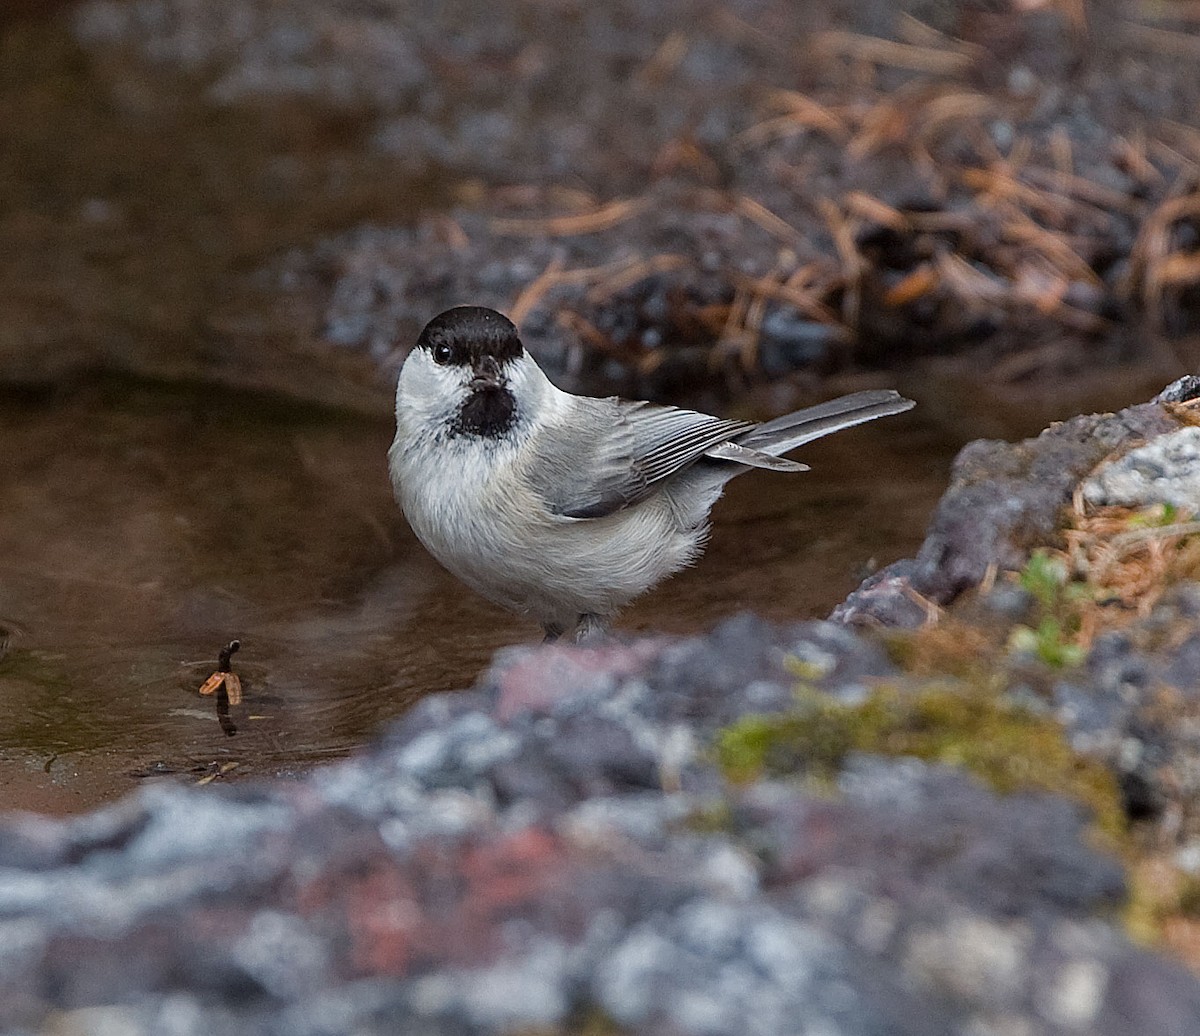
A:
[442,354]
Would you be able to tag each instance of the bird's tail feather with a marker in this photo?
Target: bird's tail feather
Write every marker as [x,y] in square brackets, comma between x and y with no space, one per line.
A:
[753,458]
[786,433]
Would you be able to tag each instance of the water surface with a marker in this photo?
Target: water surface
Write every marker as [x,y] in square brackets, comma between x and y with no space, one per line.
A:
[146,527]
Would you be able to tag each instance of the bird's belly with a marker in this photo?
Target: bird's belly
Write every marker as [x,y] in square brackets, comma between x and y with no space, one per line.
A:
[503,544]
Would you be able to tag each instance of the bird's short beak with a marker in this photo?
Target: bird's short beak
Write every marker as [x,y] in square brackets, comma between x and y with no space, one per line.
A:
[487,374]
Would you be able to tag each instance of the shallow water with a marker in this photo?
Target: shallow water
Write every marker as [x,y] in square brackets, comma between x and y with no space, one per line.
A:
[145,528]
[142,528]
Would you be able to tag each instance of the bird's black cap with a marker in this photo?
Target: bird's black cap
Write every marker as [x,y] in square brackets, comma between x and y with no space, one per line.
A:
[466,334]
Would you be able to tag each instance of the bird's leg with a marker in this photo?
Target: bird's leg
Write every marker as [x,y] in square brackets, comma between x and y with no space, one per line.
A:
[591,628]
[553,631]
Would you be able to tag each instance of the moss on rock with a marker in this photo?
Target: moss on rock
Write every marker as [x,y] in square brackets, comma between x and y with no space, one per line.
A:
[1008,746]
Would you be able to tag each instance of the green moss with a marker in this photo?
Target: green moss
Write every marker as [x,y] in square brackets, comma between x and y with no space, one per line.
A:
[1045,577]
[1162,897]
[1060,603]
[1156,516]
[1007,746]
[1049,641]
[596,1023]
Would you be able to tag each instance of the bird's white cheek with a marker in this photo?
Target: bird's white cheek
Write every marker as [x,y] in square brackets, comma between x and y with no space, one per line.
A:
[541,401]
[427,395]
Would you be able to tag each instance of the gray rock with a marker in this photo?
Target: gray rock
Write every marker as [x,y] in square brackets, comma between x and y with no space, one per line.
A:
[508,858]
[1004,499]
[1181,390]
[1164,471]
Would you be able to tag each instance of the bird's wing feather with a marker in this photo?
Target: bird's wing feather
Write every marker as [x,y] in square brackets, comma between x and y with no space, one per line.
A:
[616,453]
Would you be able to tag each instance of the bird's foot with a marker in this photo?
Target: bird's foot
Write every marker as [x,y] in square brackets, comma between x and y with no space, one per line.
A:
[592,629]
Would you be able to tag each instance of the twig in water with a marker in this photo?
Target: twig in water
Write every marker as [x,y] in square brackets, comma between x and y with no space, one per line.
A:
[227,686]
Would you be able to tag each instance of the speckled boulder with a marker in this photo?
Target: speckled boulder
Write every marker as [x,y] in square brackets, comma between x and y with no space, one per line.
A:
[557,848]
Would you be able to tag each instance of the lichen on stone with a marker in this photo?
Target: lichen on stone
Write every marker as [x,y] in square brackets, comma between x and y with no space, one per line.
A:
[1007,745]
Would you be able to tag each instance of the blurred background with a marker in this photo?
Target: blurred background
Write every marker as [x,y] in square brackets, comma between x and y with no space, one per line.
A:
[223,222]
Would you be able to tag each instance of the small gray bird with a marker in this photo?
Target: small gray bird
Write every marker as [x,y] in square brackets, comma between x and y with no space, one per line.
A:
[560,507]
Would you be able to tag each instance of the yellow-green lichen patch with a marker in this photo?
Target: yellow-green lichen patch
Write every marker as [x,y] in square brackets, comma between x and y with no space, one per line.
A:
[1008,746]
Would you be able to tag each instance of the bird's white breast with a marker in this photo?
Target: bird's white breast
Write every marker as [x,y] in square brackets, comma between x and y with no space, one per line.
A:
[471,504]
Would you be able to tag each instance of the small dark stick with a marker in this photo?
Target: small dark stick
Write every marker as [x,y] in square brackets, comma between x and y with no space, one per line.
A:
[225,682]
[230,691]
[227,652]
[228,727]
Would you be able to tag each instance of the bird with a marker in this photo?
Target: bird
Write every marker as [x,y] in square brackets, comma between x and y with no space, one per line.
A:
[560,507]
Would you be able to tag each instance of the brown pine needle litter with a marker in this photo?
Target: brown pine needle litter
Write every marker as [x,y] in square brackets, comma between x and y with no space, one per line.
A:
[936,60]
[602,218]
[1127,558]
[914,206]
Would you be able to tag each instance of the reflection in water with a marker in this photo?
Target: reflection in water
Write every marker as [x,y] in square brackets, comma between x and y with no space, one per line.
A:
[142,528]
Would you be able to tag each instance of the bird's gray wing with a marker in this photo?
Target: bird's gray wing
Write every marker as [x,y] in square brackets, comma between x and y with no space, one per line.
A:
[616,452]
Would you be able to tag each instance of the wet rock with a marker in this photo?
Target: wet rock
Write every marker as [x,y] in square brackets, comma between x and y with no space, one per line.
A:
[1129,698]
[510,858]
[1132,701]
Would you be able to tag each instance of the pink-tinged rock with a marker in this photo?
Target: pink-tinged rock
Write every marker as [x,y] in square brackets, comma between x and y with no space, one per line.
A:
[536,679]
[445,904]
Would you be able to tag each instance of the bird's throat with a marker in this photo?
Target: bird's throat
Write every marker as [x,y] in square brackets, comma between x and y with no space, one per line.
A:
[488,413]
